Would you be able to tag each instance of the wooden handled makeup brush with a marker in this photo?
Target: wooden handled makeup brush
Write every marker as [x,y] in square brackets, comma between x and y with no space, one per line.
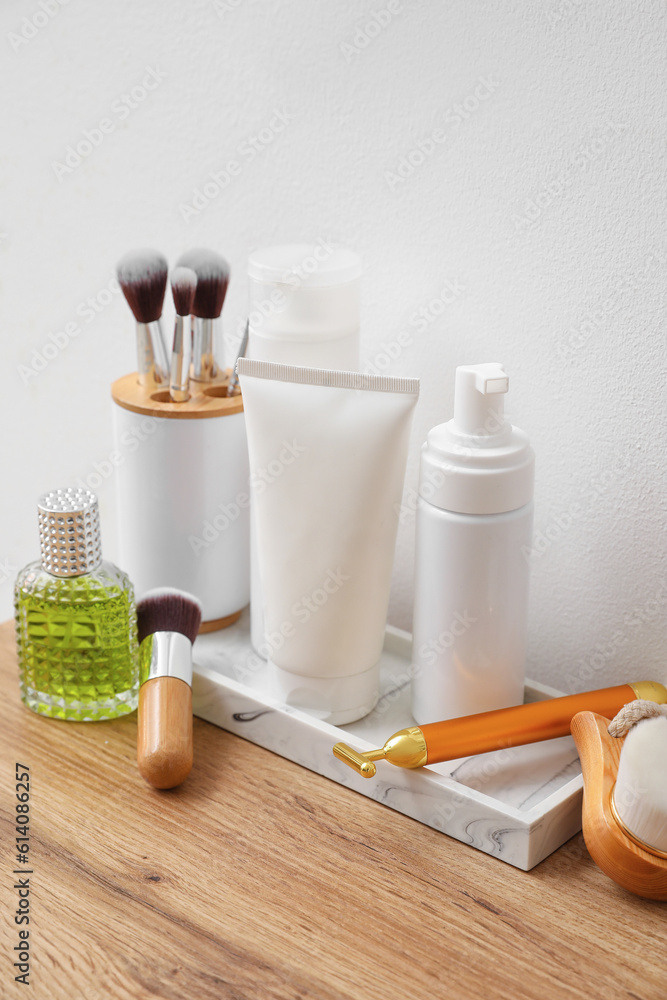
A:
[212,272]
[168,622]
[625,800]
[506,727]
[142,275]
[183,287]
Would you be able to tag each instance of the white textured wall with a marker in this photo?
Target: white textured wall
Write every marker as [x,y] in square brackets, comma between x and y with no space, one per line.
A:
[538,215]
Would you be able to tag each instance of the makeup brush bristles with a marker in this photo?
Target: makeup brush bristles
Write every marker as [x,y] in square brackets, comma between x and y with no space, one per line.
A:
[142,275]
[183,288]
[212,272]
[168,610]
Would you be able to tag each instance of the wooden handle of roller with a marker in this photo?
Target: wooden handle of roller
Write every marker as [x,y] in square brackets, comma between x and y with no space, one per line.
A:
[164,739]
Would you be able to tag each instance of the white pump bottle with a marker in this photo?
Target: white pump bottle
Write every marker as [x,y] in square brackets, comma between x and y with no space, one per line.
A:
[474,531]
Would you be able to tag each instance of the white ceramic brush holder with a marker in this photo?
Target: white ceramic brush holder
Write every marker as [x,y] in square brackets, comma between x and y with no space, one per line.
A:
[183,495]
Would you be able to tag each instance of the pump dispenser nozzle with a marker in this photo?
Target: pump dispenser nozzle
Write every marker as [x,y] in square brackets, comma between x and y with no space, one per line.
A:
[478,402]
[478,463]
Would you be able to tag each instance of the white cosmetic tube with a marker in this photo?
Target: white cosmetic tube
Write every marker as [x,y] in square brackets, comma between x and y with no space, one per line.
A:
[328,451]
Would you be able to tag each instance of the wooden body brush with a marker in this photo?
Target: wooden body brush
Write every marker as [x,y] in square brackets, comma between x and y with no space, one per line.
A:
[625,801]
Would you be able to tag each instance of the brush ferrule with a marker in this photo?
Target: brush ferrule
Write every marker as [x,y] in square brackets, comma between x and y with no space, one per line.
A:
[165,654]
[151,355]
[181,353]
[204,366]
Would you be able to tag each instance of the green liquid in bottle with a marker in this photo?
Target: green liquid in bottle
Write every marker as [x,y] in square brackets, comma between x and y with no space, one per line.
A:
[77,643]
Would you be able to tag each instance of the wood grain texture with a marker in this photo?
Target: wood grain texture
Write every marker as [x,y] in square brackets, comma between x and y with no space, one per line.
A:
[206,399]
[215,624]
[616,854]
[259,880]
[164,731]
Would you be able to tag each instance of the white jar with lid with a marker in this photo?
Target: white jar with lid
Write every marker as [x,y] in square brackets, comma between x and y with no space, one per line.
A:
[304,310]
[304,306]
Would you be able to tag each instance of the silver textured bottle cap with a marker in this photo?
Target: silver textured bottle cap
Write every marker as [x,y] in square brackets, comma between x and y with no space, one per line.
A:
[69,532]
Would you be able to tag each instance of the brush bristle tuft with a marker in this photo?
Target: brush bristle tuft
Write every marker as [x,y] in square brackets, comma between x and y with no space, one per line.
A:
[212,272]
[640,795]
[183,288]
[167,610]
[142,275]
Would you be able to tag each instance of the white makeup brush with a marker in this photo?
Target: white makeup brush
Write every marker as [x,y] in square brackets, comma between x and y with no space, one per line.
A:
[142,275]
[212,272]
[625,795]
[183,286]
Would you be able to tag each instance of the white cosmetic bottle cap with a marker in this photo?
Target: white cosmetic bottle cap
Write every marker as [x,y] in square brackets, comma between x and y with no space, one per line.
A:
[477,463]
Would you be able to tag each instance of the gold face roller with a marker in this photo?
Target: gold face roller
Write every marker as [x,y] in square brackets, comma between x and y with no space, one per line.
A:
[506,727]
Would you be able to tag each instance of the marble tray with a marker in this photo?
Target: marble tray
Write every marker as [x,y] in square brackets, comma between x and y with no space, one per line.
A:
[517,804]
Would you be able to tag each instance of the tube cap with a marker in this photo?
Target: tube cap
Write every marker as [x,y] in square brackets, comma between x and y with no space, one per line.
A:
[477,463]
[336,700]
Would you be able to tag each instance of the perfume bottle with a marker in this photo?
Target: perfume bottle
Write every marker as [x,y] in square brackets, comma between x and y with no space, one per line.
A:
[76,627]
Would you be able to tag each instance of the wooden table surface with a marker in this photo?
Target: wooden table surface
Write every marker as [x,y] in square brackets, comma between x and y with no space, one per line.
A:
[259,879]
